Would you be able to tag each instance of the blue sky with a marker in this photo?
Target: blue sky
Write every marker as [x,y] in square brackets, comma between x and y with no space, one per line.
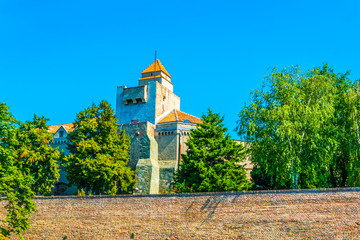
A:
[57,57]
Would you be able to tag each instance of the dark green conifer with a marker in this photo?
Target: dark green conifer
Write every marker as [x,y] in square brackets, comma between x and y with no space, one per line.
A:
[213,162]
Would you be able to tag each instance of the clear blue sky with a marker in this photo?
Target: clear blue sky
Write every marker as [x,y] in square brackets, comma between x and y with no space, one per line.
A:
[57,57]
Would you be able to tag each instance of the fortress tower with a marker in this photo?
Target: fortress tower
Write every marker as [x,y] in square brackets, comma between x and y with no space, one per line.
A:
[150,114]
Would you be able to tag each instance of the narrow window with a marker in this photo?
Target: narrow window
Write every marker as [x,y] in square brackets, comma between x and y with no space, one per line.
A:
[61,133]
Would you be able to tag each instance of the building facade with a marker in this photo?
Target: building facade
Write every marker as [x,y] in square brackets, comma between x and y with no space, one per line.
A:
[60,132]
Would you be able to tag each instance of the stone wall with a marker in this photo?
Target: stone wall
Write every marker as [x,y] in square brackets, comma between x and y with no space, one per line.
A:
[168,158]
[303,214]
[143,156]
[140,111]
[168,145]
[134,94]
[167,136]
[166,100]
[147,176]
[141,136]
[166,174]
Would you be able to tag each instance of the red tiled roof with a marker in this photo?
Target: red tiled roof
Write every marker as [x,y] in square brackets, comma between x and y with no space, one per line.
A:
[179,116]
[155,67]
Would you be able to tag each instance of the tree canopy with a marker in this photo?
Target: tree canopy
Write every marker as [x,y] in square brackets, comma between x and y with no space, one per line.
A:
[213,161]
[15,182]
[34,154]
[303,129]
[99,152]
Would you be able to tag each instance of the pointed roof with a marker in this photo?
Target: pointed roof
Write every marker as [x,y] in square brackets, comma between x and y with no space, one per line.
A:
[179,116]
[155,67]
[69,127]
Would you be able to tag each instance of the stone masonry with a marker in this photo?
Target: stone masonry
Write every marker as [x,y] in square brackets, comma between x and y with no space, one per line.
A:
[290,214]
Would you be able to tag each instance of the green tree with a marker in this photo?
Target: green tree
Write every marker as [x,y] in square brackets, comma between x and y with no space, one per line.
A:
[99,152]
[35,155]
[260,178]
[213,160]
[15,183]
[345,168]
[295,126]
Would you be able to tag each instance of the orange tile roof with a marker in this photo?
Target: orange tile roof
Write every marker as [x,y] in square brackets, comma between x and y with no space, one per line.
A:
[150,77]
[69,127]
[179,116]
[155,67]
[156,77]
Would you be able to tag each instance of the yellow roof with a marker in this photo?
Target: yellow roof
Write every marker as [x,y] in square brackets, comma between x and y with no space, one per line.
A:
[155,67]
[150,77]
[156,77]
[69,127]
[179,116]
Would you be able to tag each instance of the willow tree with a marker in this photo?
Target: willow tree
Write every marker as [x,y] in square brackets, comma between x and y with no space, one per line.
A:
[346,165]
[294,124]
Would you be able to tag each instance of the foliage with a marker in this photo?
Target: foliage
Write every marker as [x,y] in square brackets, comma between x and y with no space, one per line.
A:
[113,190]
[15,182]
[213,160]
[345,170]
[298,125]
[260,178]
[81,193]
[99,153]
[164,191]
[34,153]
[181,188]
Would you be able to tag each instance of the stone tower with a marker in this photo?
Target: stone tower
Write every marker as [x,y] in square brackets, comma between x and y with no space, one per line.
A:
[150,114]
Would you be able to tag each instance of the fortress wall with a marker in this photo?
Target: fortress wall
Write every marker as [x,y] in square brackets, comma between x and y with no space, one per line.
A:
[168,146]
[141,134]
[321,214]
[142,111]
[166,100]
